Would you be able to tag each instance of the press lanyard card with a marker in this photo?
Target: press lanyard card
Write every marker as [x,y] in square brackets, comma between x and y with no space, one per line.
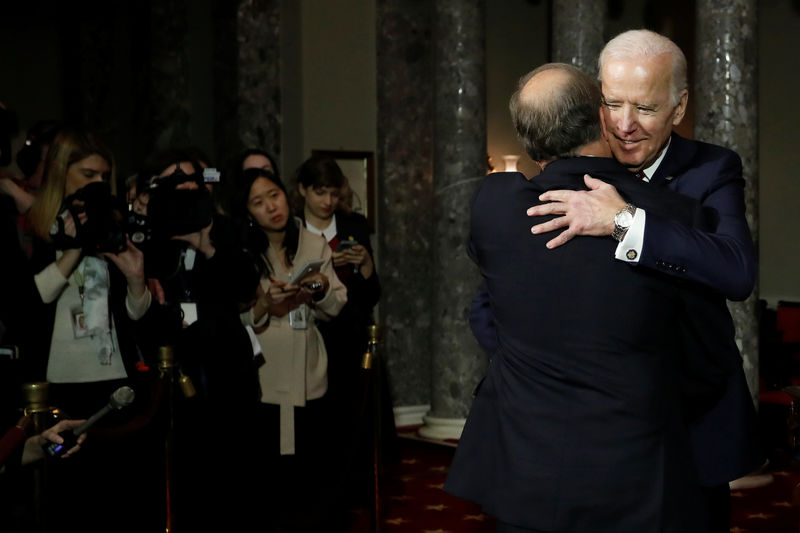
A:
[79,329]
[298,317]
[189,310]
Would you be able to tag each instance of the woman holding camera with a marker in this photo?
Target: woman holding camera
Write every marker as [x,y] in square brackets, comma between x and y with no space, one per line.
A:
[90,280]
[298,288]
[201,280]
[76,282]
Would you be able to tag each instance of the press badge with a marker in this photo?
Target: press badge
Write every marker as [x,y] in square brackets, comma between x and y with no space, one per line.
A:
[79,329]
[189,310]
[298,318]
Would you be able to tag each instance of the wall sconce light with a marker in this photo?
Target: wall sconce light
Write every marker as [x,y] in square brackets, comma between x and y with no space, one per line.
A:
[511,162]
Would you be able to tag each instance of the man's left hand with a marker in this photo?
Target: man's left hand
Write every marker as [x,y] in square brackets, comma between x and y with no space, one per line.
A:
[584,212]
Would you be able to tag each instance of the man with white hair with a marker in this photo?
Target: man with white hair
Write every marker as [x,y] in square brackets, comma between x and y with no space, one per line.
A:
[579,423]
[643,77]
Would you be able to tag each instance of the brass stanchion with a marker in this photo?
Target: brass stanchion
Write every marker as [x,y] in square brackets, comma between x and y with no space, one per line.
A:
[370,364]
[35,400]
[171,375]
[166,368]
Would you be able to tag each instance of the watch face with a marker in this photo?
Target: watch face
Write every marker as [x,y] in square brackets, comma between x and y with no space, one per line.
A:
[623,219]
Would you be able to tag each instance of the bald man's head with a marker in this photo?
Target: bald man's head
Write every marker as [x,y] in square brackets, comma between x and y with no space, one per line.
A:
[555,110]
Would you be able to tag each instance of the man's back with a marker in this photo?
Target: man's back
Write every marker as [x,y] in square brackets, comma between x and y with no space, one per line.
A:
[576,426]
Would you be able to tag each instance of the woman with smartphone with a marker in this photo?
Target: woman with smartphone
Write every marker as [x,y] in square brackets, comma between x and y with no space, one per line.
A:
[298,288]
[323,199]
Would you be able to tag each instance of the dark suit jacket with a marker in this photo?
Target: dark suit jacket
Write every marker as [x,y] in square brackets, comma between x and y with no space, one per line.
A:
[723,260]
[717,264]
[577,425]
[708,262]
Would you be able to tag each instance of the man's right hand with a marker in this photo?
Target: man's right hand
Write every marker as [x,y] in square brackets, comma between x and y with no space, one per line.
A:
[583,212]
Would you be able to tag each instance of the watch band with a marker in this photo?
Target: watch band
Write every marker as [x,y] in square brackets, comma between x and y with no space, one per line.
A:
[622,221]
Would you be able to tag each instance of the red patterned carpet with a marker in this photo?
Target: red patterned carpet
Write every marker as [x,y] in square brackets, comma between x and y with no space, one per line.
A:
[774,508]
[413,499]
[415,502]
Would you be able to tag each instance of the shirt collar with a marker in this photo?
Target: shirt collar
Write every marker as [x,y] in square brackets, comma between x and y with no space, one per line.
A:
[329,233]
[651,170]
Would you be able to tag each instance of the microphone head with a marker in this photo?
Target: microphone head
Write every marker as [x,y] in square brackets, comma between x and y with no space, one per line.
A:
[121,397]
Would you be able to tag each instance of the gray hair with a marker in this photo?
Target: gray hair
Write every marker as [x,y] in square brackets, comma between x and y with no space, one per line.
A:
[557,124]
[645,43]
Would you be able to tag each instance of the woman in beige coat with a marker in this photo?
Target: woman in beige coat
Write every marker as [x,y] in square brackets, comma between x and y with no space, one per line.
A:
[293,374]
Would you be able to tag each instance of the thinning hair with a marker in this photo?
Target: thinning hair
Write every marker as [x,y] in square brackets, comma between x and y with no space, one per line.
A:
[557,123]
[69,146]
[635,44]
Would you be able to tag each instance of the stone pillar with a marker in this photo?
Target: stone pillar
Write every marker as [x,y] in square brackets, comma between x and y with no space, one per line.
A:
[88,61]
[726,113]
[168,92]
[405,192]
[578,28]
[247,90]
[102,75]
[460,163]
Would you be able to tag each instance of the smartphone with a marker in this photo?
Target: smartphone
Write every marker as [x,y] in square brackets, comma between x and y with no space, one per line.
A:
[312,266]
[346,245]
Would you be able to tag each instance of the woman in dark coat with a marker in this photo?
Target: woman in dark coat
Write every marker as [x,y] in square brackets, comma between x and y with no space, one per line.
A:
[323,199]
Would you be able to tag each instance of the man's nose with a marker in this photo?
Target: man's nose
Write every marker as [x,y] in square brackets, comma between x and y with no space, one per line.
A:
[628,120]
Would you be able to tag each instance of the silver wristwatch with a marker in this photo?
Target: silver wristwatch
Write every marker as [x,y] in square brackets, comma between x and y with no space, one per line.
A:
[622,221]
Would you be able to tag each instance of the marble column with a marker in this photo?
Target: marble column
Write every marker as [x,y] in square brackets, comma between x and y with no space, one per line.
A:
[578,27]
[405,192]
[168,92]
[102,76]
[460,163]
[247,91]
[88,63]
[726,113]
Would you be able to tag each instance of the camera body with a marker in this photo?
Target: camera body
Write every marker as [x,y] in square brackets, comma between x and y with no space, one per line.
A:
[105,226]
[175,211]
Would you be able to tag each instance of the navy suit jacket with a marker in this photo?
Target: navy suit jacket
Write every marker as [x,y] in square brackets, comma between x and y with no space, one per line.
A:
[577,425]
[719,264]
[723,260]
[709,263]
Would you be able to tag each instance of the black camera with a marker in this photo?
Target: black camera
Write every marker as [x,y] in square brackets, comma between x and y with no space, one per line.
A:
[104,225]
[178,211]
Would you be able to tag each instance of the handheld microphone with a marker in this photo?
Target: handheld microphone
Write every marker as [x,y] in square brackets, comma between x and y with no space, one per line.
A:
[121,397]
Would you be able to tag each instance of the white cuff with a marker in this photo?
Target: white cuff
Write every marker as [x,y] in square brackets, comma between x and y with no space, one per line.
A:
[629,248]
[50,282]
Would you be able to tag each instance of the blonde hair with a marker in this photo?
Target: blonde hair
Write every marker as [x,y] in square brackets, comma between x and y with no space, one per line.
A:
[68,147]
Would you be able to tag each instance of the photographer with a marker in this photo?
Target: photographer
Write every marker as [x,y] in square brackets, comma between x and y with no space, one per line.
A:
[91,289]
[77,283]
[202,279]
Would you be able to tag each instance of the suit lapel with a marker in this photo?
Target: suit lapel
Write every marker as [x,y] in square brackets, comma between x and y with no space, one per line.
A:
[679,154]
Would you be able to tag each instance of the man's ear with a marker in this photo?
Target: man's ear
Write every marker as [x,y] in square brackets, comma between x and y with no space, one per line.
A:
[603,123]
[680,109]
